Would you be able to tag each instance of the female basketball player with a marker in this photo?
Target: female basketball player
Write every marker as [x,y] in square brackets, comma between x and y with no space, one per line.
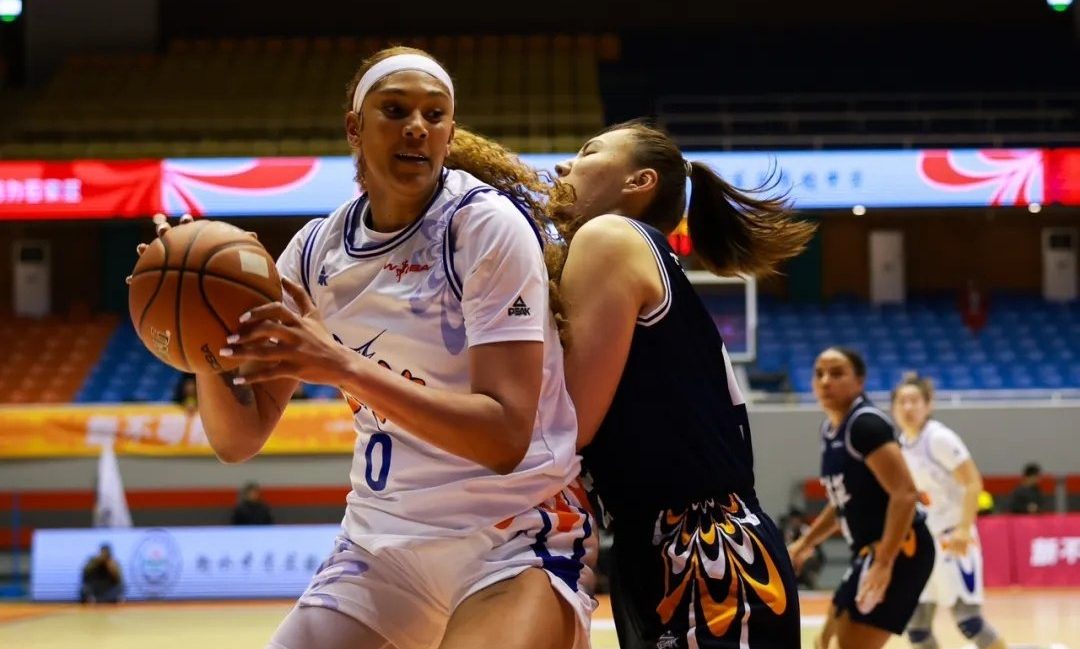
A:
[426,300]
[663,424]
[945,473]
[872,500]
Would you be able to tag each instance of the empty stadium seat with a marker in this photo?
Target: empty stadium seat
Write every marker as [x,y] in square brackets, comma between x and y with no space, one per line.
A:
[1028,344]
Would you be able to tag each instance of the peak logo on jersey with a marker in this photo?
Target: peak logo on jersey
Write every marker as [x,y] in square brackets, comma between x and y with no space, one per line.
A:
[323,277]
[519,308]
[405,267]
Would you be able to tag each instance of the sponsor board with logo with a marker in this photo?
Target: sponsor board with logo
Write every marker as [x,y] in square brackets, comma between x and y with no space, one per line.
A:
[184,562]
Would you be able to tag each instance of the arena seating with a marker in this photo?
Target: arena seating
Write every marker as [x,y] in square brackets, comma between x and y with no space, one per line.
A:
[859,120]
[46,361]
[286,97]
[1028,343]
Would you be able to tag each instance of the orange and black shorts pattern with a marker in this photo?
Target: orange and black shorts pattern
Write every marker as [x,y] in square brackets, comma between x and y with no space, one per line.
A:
[911,571]
[714,575]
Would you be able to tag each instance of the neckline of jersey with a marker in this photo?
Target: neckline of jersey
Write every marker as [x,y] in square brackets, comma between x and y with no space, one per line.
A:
[393,239]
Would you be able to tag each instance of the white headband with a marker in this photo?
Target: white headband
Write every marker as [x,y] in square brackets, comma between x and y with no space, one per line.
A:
[398,63]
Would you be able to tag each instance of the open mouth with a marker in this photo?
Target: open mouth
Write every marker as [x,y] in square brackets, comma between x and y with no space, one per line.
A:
[413,158]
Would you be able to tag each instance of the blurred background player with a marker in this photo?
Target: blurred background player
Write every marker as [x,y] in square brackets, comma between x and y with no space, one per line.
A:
[873,502]
[944,471]
[655,394]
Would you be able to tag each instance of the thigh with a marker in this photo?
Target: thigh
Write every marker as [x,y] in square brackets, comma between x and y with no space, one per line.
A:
[524,612]
[857,635]
[383,590]
[311,626]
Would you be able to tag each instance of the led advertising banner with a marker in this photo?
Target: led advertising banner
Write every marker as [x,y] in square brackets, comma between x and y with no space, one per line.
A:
[229,187]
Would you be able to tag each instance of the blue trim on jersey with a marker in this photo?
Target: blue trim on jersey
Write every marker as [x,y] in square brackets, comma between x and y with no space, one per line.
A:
[456,285]
[368,252]
[579,544]
[657,314]
[305,256]
[568,569]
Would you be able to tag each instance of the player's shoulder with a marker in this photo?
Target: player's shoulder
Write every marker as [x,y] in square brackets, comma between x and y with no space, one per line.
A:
[480,211]
[938,433]
[610,234]
[867,415]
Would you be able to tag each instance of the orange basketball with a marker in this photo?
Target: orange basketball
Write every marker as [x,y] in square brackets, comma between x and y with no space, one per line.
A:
[191,286]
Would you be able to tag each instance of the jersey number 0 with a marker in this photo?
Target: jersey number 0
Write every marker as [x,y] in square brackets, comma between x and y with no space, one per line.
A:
[385,445]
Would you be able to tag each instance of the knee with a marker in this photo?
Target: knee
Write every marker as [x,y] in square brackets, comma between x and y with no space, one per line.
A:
[971,626]
[922,638]
[919,627]
[968,619]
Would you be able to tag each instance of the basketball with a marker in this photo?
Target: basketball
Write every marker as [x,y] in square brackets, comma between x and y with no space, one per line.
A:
[190,287]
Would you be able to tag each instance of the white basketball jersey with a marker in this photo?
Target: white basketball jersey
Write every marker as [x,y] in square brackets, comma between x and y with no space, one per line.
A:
[470,271]
[932,458]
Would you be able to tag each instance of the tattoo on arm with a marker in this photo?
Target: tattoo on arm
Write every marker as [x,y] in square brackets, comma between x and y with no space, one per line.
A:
[243,394]
[258,390]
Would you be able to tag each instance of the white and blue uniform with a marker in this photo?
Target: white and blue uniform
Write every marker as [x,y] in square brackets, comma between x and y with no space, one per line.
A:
[933,457]
[424,528]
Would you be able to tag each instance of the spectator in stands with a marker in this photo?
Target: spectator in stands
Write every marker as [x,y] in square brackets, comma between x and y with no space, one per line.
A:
[102,581]
[252,510]
[186,394]
[974,309]
[1026,498]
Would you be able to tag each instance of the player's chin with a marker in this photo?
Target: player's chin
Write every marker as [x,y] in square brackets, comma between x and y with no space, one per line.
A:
[415,176]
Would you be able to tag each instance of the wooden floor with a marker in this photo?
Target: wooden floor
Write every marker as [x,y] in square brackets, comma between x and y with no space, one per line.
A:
[1047,619]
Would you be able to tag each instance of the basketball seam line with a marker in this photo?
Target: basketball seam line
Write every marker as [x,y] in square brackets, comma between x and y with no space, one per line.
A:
[157,289]
[202,285]
[179,295]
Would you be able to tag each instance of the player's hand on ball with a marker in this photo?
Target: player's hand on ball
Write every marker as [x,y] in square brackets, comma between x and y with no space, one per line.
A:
[161,226]
[290,344]
[872,586]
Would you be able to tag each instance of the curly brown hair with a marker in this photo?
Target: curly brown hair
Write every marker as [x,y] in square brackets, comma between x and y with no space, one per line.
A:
[495,165]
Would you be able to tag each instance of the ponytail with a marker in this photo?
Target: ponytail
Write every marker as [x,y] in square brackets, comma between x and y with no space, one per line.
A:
[735,232]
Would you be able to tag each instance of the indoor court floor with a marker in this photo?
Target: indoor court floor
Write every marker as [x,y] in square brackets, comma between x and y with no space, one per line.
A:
[1047,619]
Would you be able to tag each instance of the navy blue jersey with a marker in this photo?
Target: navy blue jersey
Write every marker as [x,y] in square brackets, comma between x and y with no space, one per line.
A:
[677,430]
[859,498]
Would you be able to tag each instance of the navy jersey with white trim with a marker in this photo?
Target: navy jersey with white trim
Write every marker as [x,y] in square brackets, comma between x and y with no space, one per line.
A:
[860,500]
[677,430]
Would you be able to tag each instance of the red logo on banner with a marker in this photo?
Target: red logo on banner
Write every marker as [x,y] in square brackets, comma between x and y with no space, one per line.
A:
[258,177]
[1063,176]
[1011,171]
